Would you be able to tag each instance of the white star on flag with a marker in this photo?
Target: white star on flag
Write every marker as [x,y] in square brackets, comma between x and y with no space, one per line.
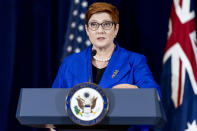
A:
[192,127]
[76,39]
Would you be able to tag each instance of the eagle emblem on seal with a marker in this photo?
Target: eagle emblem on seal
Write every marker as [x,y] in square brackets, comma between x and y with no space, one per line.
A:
[87,104]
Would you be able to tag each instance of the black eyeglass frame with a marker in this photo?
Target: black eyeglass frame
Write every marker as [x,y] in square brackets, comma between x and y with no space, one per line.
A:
[98,25]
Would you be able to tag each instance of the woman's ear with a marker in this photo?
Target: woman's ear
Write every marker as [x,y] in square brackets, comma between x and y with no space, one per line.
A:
[116,29]
[86,28]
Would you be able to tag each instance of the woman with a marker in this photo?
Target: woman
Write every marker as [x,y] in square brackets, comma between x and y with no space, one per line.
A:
[112,66]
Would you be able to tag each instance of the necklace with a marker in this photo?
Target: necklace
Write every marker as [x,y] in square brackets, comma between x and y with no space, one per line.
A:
[102,60]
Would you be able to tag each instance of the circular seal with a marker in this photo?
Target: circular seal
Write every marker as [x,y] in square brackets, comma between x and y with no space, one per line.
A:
[86,104]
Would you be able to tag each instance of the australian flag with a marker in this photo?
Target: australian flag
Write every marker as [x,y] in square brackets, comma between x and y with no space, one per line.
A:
[179,77]
[76,39]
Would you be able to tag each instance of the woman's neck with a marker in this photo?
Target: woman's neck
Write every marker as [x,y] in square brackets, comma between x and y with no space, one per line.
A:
[105,52]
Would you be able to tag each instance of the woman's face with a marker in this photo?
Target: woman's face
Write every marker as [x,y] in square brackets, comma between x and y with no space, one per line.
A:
[101,38]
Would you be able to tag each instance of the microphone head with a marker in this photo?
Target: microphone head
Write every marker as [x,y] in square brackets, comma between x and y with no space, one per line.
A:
[94,52]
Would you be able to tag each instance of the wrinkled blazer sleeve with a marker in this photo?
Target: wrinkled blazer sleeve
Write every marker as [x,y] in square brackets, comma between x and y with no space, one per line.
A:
[142,75]
[63,77]
[59,80]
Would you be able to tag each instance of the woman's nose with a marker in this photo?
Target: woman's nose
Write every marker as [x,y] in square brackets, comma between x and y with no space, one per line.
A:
[100,29]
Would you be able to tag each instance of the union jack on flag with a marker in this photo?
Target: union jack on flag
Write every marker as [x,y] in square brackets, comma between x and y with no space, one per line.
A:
[179,77]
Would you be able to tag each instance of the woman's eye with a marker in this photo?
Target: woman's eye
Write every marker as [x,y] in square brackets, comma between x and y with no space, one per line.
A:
[106,24]
[93,24]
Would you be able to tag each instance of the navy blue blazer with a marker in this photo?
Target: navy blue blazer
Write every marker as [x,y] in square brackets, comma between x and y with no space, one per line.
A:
[124,67]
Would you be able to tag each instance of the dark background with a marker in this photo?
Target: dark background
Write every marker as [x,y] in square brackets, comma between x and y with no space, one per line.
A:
[32,37]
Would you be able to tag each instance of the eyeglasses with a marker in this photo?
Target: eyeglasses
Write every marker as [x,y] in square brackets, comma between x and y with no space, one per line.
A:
[107,25]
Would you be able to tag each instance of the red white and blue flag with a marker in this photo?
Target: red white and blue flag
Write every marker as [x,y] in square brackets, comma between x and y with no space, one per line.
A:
[179,77]
[76,39]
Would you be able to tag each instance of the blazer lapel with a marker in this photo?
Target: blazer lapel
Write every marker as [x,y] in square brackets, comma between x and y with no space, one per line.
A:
[117,68]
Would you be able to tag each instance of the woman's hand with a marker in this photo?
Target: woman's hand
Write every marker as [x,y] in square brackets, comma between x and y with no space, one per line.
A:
[124,86]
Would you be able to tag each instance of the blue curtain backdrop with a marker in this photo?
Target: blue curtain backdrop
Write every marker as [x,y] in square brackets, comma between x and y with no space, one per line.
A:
[32,37]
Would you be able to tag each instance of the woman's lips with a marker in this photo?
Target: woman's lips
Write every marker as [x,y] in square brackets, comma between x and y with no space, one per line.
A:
[101,38]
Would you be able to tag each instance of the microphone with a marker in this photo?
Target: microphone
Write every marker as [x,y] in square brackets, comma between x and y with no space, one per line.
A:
[93,53]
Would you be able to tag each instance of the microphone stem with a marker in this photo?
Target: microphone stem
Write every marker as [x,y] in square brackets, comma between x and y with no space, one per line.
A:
[90,73]
[93,53]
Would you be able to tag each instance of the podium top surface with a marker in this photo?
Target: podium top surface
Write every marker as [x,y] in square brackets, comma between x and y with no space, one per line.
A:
[127,107]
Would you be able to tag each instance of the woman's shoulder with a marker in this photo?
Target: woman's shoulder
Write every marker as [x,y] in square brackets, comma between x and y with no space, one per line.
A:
[76,57]
[131,54]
